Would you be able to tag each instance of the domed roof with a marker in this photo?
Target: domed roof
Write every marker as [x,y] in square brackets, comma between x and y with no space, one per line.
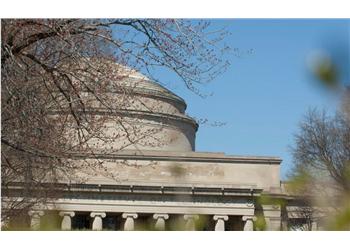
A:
[141,83]
[152,114]
[167,111]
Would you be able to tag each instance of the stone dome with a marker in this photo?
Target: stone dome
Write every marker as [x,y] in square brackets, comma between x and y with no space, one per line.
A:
[152,116]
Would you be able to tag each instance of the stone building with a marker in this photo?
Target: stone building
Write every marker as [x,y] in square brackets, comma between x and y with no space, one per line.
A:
[173,187]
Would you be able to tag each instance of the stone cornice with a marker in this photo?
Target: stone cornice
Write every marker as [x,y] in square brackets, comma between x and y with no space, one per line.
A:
[140,114]
[182,157]
[152,189]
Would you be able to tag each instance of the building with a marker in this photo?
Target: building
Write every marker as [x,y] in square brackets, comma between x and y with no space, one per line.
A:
[164,184]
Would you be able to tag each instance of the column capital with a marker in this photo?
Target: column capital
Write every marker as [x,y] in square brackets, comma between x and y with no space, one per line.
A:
[66,223]
[220,222]
[129,215]
[249,217]
[220,217]
[98,214]
[191,217]
[67,213]
[163,216]
[36,213]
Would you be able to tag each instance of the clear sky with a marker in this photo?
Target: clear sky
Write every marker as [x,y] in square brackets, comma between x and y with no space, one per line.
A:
[268,87]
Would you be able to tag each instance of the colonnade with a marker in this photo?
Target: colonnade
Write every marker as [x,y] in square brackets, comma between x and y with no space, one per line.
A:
[129,220]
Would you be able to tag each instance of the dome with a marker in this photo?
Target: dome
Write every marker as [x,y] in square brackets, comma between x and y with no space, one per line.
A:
[150,117]
[141,84]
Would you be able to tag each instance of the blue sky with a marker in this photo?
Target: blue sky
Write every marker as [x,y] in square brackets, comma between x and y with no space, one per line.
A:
[268,87]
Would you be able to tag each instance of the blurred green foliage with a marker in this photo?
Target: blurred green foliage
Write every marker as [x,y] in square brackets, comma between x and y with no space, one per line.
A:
[260,223]
[326,72]
[341,220]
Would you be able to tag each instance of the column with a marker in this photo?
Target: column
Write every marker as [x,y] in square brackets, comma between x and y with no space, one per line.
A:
[35,219]
[160,223]
[220,222]
[249,223]
[314,225]
[97,223]
[67,220]
[190,221]
[129,224]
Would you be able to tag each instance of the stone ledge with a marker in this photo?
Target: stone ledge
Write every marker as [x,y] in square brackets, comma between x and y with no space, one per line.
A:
[154,155]
[155,189]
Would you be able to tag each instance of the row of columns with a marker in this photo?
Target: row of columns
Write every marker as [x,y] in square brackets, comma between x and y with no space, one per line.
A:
[129,223]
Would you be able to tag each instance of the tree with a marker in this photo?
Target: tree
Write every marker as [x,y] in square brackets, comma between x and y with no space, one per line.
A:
[323,148]
[54,71]
[321,177]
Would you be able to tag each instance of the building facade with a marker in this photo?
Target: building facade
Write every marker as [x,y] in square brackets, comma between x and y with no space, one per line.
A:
[162,183]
